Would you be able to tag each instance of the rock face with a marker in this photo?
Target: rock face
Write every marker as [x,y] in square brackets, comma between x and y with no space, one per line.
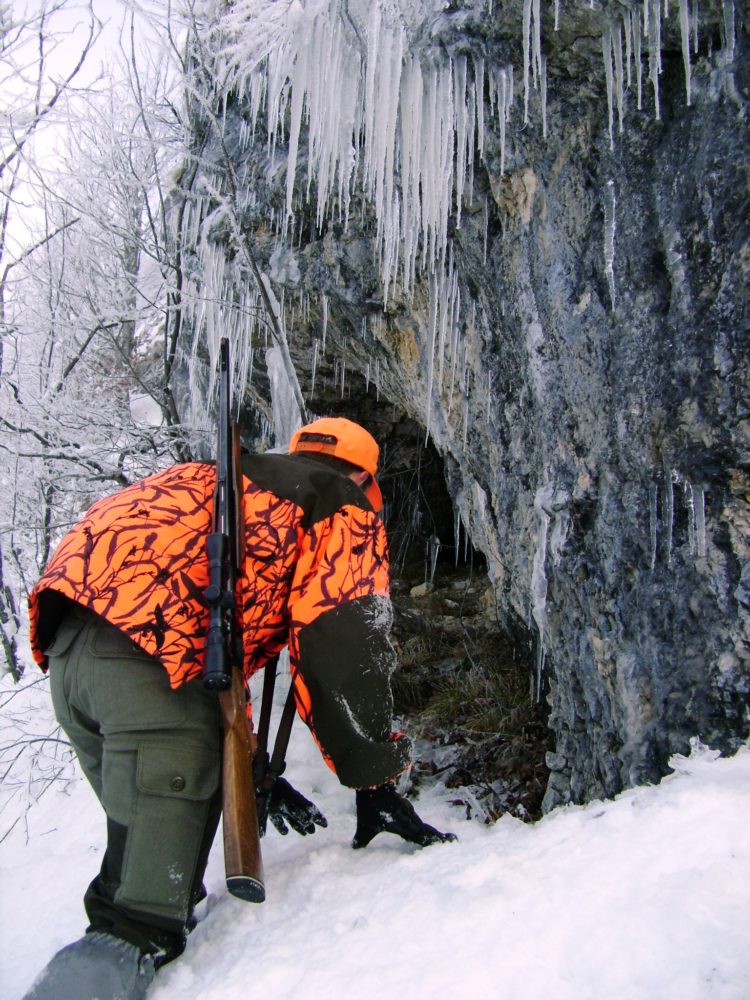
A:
[588,391]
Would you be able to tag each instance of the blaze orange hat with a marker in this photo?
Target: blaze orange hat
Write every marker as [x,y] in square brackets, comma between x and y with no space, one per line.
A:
[343,439]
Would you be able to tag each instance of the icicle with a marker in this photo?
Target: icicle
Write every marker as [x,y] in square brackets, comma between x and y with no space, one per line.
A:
[699,501]
[688,491]
[434,551]
[654,54]
[627,22]
[485,227]
[557,15]
[619,79]
[685,33]
[636,25]
[608,76]
[466,421]
[479,92]
[455,351]
[543,92]
[295,122]
[526,57]
[431,352]
[652,500]
[501,118]
[325,322]
[538,586]
[457,534]
[537,35]
[541,657]
[668,513]
[316,349]
[610,203]
[459,103]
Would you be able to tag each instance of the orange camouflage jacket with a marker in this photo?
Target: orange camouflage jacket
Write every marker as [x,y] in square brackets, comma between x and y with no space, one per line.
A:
[315,578]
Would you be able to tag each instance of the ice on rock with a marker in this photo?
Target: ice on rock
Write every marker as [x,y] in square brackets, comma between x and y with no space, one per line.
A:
[653,522]
[685,35]
[379,108]
[610,204]
[699,506]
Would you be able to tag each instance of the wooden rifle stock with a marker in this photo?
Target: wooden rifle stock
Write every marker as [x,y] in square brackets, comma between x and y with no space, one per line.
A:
[223,670]
[242,858]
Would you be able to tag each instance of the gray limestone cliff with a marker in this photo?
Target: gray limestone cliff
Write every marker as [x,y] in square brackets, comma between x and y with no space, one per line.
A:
[579,356]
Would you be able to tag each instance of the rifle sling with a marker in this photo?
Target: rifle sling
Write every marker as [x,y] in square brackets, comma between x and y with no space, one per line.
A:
[275,766]
[266,705]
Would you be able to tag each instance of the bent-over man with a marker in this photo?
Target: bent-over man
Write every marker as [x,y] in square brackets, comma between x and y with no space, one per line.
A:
[119,618]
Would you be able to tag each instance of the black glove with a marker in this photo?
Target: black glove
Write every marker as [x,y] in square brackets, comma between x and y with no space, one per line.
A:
[382,809]
[287,805]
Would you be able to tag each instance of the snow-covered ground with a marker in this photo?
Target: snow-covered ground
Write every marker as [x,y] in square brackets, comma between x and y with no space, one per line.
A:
[646,897]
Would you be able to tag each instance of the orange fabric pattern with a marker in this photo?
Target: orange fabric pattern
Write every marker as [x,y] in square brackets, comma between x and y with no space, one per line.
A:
[345,557]
[137,558]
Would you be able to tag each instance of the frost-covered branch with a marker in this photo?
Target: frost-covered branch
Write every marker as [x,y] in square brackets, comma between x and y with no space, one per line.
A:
[18,135]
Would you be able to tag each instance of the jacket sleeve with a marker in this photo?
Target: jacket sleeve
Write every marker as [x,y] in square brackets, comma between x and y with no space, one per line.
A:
[340,653]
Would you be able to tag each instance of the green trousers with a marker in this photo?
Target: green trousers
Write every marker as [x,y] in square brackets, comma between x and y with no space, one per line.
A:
[153,758]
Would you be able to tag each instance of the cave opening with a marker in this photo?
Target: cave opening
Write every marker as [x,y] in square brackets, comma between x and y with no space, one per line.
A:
[464,686]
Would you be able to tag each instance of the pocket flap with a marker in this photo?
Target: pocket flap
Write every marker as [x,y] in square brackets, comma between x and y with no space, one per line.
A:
[183,771]
[110,641]
[64,637]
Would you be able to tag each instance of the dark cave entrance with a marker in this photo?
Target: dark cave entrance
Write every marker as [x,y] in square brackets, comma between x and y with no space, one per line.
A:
[463,686]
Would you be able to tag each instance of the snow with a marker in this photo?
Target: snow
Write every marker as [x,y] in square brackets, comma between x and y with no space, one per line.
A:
[641,897]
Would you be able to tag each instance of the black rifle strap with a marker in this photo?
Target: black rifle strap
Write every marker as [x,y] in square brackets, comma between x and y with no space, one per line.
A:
[264,723]
[276,765]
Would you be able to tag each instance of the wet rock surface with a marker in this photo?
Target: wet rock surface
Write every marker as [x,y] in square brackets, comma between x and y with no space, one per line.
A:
[463,689]
[595,439]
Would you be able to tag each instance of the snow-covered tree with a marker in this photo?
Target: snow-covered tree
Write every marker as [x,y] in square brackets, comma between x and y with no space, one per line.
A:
[87,288]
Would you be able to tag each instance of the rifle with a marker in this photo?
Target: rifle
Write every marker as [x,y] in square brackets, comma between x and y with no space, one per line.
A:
[223,670]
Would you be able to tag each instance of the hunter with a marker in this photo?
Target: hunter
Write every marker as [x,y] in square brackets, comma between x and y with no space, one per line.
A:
[119,619]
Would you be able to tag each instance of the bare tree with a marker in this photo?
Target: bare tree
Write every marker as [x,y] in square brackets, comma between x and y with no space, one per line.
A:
[87,279]
[29,100]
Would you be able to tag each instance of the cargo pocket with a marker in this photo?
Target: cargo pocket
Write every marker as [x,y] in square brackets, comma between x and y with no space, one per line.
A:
[174,787]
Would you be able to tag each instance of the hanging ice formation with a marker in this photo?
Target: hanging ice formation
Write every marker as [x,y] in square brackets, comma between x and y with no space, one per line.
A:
[376,114]
[286,415]
[610,204]
[695,502]
[402,122]
[539,581]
